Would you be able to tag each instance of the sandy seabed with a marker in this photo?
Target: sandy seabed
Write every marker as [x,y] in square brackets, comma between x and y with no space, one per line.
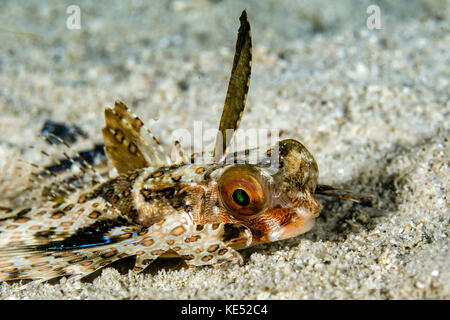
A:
[371,105]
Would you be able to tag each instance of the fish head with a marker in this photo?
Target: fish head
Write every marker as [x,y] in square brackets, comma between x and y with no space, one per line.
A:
[274,203]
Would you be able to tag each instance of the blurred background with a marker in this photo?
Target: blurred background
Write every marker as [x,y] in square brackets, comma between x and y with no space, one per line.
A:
[159,55]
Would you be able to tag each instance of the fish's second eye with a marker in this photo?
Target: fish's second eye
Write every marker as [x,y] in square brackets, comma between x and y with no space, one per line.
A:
[241,197]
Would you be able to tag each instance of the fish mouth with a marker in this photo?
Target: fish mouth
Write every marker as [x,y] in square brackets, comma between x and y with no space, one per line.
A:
[301,222]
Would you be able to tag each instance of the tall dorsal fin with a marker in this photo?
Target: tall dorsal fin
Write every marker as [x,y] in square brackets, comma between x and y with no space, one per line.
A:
[129,145]
[237,87]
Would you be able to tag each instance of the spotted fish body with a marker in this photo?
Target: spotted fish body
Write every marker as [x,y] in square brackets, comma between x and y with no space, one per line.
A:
[179,210]
[152,207]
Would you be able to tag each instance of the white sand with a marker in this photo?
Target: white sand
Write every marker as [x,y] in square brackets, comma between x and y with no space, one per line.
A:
[371,105]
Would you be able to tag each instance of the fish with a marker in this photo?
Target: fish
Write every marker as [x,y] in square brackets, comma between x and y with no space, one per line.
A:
[153,206]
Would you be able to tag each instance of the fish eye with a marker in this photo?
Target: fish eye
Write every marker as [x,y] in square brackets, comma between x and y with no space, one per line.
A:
[241,191]
[241,197]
